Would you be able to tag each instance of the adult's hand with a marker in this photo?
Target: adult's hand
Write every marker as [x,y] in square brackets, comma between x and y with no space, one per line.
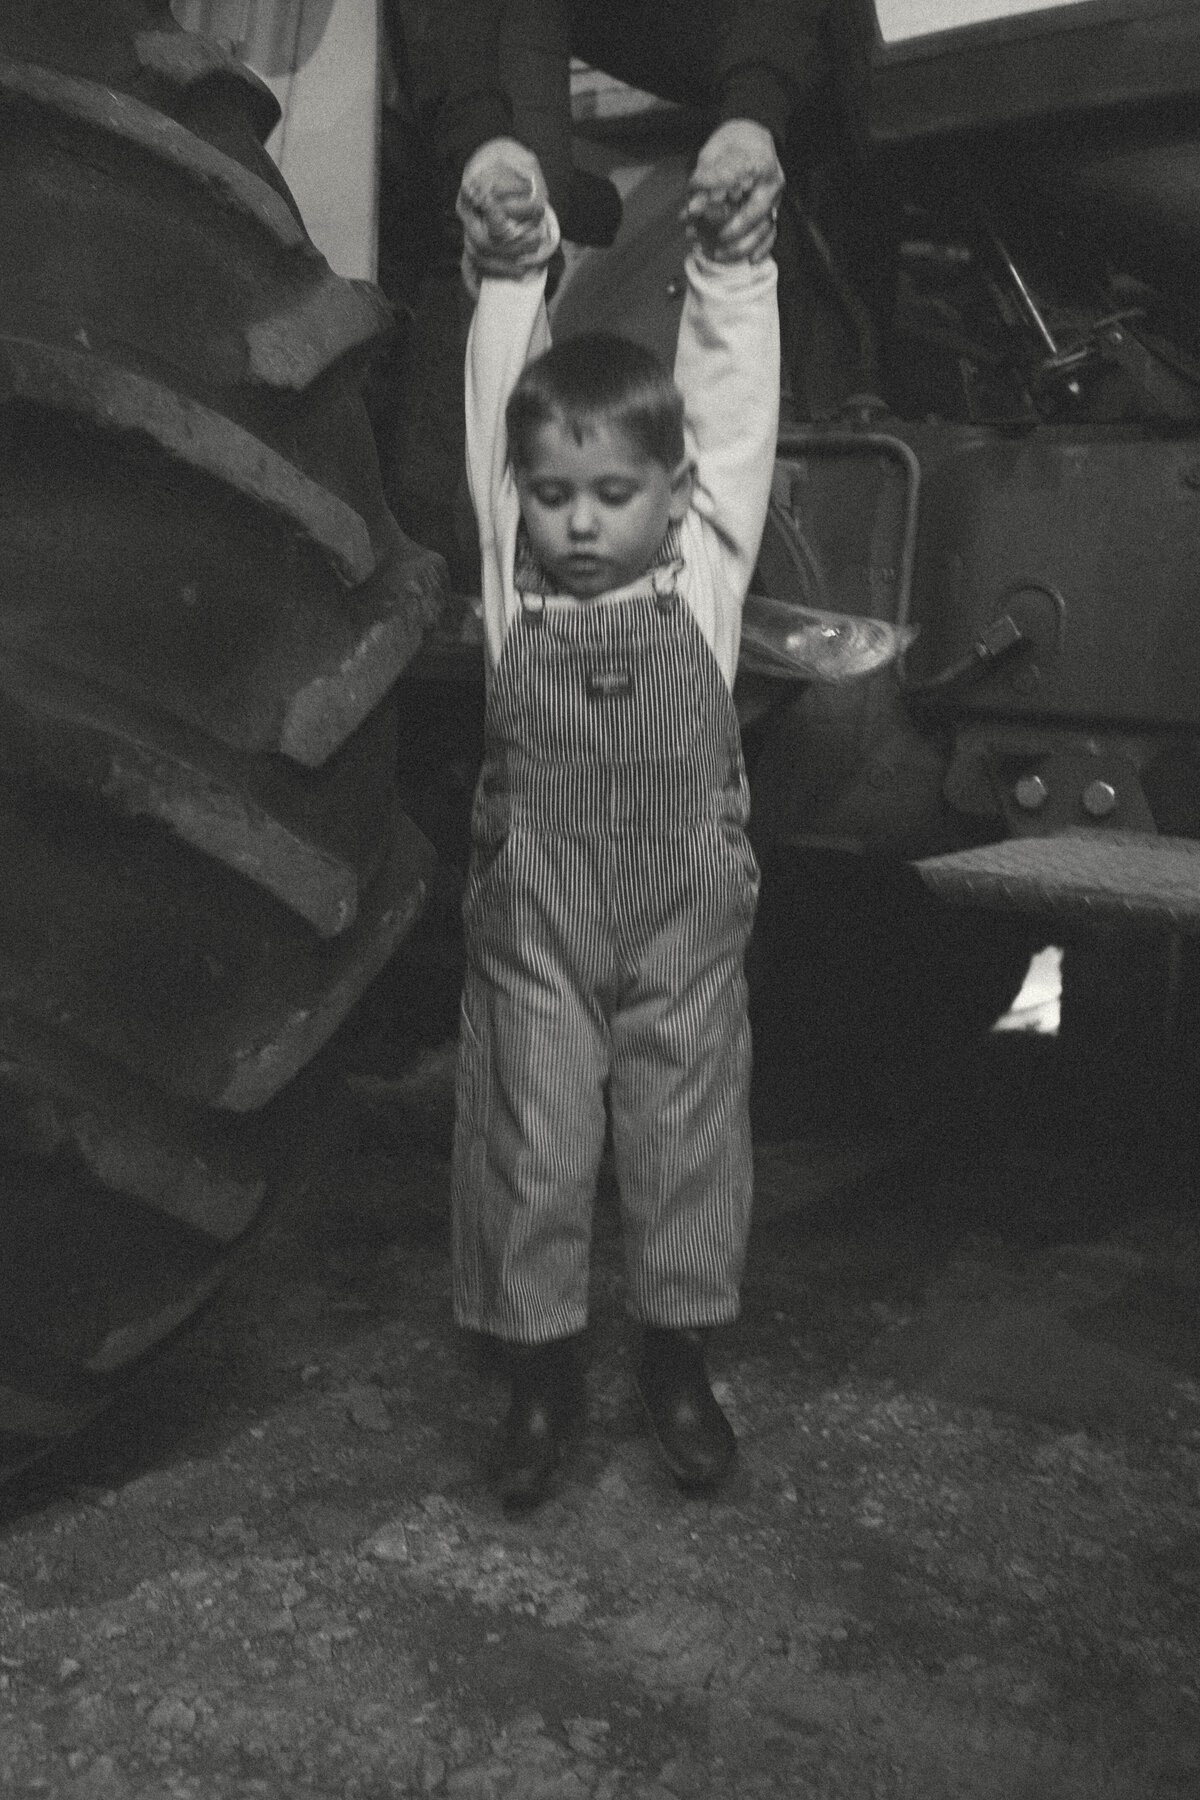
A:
[733,195]
[508,224]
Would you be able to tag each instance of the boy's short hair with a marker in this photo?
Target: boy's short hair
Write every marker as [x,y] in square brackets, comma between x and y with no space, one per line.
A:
[595,378]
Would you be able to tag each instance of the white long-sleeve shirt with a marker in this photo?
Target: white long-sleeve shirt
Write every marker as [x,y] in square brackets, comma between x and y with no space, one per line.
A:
[727,369]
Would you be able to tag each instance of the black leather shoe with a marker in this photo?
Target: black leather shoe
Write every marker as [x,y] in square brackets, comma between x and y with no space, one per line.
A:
[544,1414]
[694,1436]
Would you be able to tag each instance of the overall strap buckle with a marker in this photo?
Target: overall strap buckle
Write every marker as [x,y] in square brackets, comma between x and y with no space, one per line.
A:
[666,594]
[533,614]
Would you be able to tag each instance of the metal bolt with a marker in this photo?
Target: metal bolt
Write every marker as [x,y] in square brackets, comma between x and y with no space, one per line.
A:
[1031,793]
[1099,799]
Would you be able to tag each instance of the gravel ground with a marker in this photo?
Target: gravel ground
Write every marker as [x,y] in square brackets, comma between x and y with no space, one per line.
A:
[959,1557]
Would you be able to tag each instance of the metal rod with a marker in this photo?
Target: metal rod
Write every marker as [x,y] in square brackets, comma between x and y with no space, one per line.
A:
[1032,310]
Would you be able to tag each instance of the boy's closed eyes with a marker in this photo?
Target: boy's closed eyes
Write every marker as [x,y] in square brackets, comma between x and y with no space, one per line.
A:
[556,493]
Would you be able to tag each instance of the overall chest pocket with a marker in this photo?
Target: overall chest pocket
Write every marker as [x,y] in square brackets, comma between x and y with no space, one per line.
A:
[641,704]
[632,687]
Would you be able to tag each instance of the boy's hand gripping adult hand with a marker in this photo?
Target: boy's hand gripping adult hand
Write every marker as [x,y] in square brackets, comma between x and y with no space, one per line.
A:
[733,195]
[509,226]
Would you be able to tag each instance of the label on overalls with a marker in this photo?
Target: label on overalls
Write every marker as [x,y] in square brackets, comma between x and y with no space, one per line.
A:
[609,684]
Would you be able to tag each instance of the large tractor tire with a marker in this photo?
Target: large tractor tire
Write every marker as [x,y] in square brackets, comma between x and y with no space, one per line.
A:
[204,607]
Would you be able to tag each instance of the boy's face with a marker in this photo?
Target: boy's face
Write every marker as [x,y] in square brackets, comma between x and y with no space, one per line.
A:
[597,511]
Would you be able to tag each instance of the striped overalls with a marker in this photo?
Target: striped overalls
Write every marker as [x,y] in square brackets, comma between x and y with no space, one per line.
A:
[609,901]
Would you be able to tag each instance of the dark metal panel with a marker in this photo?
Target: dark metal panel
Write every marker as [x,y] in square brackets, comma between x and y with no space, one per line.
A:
[1093,544]
[1093,54]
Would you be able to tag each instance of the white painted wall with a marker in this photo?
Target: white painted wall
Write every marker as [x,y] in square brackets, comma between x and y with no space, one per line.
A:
[322,60]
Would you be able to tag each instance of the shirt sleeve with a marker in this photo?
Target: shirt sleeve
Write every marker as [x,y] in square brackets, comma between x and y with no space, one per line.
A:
[727,369]
[509,329]
[772,58]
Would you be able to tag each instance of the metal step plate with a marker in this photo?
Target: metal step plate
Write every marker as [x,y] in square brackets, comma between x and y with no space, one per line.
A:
[1121,876]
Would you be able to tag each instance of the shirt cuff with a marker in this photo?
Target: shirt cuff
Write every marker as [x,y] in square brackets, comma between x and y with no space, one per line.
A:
[754,91]
[466,122]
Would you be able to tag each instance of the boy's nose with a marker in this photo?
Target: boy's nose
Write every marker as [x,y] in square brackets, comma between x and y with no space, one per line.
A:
[582,520]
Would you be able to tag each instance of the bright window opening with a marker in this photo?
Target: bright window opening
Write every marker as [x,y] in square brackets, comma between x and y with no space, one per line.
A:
[1036,1007]
[900,20]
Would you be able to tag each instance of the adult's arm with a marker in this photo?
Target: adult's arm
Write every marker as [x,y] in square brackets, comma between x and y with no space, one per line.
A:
[475,107]
[448,55]
[772,59]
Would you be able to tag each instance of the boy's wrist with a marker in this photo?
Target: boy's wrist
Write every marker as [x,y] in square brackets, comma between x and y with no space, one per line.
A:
[509,227]
[734,192]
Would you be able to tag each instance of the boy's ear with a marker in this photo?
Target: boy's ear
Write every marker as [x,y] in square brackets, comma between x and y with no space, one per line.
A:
[681,491]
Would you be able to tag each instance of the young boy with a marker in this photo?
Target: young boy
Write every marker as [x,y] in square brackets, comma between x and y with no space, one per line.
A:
[612,887]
